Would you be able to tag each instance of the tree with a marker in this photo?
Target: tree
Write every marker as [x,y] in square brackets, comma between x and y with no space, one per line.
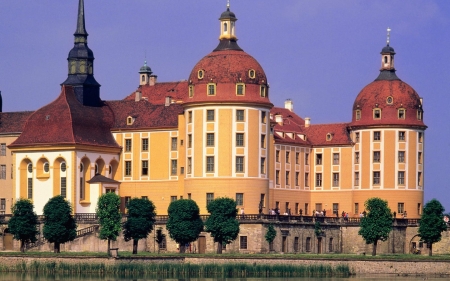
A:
[109,217]
[184,223]
[222,223]
[59,224]
[318,229]
[270,235]
[141,217]
[160,236]
[432,223]
[23,223]
[377,224]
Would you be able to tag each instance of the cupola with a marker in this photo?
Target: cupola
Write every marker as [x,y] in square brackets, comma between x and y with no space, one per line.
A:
[144,73]
[228,39]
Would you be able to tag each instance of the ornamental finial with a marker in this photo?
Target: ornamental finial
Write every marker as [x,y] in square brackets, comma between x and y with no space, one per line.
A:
[388,35]
[228,4]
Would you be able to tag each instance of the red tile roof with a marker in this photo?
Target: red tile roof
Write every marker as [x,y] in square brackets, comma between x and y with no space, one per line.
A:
[146,115]
[317,134]
[157,93]
[66,121]
[13,122]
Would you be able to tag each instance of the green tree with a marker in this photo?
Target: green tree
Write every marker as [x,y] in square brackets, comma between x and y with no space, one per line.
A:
[141,217]
[23,223]
[270,235]
[377,224]
[109,217]
[318,229]
[222,222]
[59,224]
[432,223]
[184,223]
[160,236]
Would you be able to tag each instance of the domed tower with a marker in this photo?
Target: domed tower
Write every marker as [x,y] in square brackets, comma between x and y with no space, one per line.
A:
[388,131]
[227,125]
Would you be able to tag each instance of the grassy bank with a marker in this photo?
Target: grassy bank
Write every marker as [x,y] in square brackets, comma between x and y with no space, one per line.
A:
[166,270]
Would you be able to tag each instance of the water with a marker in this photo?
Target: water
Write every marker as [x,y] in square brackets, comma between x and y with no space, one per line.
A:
[41,277]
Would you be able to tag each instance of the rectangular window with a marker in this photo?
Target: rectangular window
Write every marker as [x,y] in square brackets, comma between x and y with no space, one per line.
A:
[297,158]
[335,158]
[306,158]
[401,157]
[356,208]
[30,188]
[296,208]
[356,157]
[306,209]
[358,114]
[174,144]
[163,244]
[3,204]
[306,179]
[240,89]
[401,177]
[262,200]
[3,172]
[401,114]
[189,116]
[288,182]
[319,207]
[319,159]
[64,187]
[263,117]
[308,244]
[357,137]
[243,242]
[376,177]
[419,178]
[145,168]
[173,198]
[277,156]
[81,188]
[144,144]
[127,200]
[210,164]
[376,135]
[401,208]
[174,168]
[287,157]
[189,141]
[209,198]
[189,165]
[262,91]
[295,244]
[211,89]
[277,177]
[335,179]
[401,136]
[239,164]
[239,139]
[239,115]
[263,141]
[210,115]
[356,178]
[263,165]
[377,114]
[330,245]
[335,208]
[296,178]
[419,157]
[128,145]
[3,149]
[318,179]
[240,199]
[127,168]
[191,91]
[420,137]
[210,139]
[376,157]
[419,208]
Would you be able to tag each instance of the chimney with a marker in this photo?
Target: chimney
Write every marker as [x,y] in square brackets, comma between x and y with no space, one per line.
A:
[279,119]
[153,79]
[137,96]
[307,122]
[168,101]
[289,104]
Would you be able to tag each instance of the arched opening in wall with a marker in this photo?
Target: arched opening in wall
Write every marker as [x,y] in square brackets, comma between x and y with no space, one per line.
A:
[8,241]
[225,28]
[42,169]
[84,176]
[26,179]
[60,177]
[100,166]
[113,166]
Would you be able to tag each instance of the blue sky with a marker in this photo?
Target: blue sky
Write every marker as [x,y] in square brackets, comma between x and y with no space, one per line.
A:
[320,54]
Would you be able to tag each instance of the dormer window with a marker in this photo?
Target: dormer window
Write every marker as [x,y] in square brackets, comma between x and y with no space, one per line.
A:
[401,113]
[263,91]
[419,114]
[358,114]
[211,89]
[191,91]
[201,74]
[329,137]
[389,100]
[240,89]
[130,120]
[377,113]
[252,73]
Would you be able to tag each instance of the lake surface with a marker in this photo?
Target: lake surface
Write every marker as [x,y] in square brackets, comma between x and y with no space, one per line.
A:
[34,277]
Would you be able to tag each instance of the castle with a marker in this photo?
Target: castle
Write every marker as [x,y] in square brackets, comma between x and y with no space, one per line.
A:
[216,134]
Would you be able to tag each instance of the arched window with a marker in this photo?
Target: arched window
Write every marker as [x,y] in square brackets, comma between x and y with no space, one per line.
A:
[385,59]
[225,27]
[46,167]
[81,181]
[30,181]
[63,180]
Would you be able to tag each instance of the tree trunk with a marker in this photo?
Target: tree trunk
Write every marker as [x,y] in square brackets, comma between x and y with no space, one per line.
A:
[182,248]
[135,246]
[109,252]
[430,252]
[219,247]
[22,246]
[56,248]
[374,249]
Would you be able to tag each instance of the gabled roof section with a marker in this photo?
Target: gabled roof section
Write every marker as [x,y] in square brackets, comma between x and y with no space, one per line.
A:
[145,114]
[328,134]
[157,93]
[65,121]
[288,126]
[13,122]
[101,179]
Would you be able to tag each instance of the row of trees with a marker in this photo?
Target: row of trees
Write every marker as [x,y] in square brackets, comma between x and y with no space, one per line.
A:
[377,224]
[184,223]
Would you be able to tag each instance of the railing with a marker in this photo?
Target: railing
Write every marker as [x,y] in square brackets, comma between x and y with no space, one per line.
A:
[86,231]
[39,242]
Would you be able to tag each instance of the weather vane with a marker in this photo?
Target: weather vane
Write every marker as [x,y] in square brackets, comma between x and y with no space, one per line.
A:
[388,35]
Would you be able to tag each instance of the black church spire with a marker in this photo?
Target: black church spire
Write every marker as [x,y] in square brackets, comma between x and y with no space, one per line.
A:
[81,65]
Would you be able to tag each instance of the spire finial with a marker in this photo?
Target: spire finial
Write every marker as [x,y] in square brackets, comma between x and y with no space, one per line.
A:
[228,4]
[81,29]
[388,35]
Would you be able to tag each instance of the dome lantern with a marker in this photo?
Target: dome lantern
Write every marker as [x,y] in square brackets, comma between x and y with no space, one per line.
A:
[228,39]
